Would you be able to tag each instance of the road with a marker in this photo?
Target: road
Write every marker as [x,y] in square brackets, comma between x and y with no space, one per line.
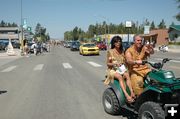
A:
[59,85]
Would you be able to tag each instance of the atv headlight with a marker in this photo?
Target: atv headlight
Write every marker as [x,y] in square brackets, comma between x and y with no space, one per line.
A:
[168,75]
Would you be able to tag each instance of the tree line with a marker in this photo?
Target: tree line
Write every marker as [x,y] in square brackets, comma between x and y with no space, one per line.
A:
[104,28]
[7,24]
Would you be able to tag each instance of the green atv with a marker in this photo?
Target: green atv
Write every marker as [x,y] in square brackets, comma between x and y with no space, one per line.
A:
[160,88]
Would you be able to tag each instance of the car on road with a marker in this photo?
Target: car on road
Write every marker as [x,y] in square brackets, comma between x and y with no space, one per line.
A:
[88,49]
[3,44]
[75,46]
[16,44]
[101,45]
[68,44]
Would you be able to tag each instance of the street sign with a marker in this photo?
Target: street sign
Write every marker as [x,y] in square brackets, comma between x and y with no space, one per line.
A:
[128,24]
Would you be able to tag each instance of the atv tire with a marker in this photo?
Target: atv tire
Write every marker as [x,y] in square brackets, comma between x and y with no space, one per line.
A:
[110,102]
[151,110]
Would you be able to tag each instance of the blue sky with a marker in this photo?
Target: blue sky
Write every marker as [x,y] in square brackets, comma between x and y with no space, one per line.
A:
[59,16]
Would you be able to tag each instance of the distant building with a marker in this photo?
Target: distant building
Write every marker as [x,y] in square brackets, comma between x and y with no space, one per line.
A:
[150,38]
[162,36]
[9,32]
[174,33]
[157,36]
[110,36]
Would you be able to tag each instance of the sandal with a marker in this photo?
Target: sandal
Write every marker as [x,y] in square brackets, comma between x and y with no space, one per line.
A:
[133,95]
[129,99]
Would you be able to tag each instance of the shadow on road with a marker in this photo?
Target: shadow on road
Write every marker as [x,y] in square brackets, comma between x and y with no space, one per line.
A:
[2,91]
[128,114]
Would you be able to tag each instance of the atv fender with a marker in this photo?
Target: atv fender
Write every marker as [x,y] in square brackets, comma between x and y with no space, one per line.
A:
[118,91]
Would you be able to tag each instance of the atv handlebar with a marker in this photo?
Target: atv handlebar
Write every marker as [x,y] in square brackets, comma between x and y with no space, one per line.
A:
[158,65]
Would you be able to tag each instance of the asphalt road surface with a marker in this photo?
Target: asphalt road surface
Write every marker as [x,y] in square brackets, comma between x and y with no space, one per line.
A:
[59,85]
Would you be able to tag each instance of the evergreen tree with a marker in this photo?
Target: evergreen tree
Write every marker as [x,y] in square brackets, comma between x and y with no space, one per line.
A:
[162,24]
[75,33]
[152,25]
[3,24]
[178,15]
[172,24]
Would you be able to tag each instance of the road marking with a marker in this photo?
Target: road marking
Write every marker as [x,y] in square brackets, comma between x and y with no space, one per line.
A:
[174,67]
[38,67]
[67,66]
[9,69]
[158,59]
[94,64]
[175,61]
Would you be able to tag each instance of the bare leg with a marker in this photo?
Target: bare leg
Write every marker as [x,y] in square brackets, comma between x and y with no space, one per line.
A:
[121,82]
[128,81]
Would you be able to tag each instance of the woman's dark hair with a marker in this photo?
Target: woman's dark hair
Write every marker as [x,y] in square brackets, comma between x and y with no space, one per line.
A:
[116,39]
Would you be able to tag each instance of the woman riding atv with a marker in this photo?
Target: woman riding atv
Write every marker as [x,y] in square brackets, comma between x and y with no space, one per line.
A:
[117,67]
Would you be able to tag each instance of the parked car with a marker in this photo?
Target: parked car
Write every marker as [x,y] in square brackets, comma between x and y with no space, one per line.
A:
[68,44]
[75,46]
[101,45]
[88,49]
[3,44]
[15,44]
[65,44]
[31,49]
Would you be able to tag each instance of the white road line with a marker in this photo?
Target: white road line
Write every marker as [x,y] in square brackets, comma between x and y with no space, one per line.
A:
[67,66]
[9,69]
[175,61]
[94,64]
[158,59]
[38,67]
[174,67]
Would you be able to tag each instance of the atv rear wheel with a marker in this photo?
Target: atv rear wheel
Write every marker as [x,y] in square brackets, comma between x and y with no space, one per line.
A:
[151,110]
[110,102]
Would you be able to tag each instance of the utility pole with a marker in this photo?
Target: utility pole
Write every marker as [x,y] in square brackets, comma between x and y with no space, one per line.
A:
[106,33]
[22,45]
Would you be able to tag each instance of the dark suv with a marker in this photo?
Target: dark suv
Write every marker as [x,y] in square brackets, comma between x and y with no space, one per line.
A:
[75,45]
[3,44]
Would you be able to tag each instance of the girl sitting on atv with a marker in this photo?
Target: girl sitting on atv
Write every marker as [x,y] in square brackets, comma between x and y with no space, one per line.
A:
[117,67]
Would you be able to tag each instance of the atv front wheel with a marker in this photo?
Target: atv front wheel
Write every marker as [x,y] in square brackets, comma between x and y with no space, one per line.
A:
[151,110]
[110,102]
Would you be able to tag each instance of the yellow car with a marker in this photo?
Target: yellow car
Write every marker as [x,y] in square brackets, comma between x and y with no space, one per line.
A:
[88,49]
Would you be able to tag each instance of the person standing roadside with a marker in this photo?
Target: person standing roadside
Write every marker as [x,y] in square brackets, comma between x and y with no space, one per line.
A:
[26,49]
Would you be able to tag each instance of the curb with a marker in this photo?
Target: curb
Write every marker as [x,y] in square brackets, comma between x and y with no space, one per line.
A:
[4,54]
